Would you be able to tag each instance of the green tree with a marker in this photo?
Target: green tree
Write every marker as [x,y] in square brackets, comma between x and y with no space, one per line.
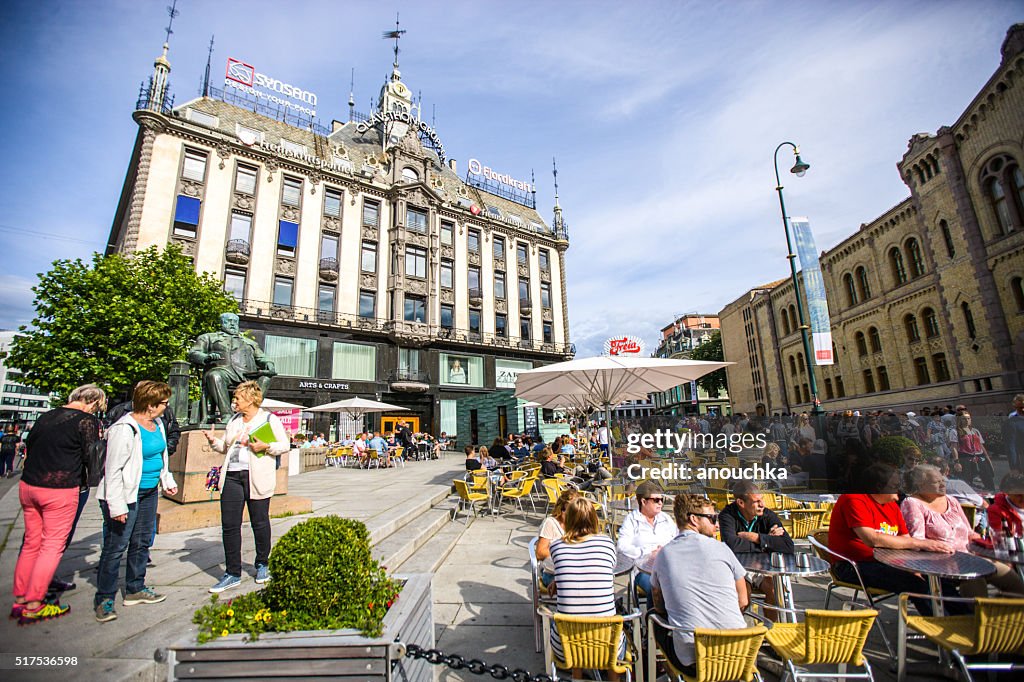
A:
[711,350]
[116,321]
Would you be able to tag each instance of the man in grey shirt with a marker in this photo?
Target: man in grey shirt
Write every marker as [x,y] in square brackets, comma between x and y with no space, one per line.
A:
[697,581]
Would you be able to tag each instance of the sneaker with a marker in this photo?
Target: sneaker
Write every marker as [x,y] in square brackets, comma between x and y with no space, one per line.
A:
[144,596]
[16,610]
[105,611]
[262,574]
[44,612]
[226,582]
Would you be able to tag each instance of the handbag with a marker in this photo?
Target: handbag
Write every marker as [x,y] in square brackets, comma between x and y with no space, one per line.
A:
[213,479]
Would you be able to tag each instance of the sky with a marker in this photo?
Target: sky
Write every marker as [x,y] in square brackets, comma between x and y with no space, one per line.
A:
[663,116]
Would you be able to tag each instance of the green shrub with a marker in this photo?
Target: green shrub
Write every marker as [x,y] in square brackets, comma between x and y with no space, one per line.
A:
[890,450]
[323,577]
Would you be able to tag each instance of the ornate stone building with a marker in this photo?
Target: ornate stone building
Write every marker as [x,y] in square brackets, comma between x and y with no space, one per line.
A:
[927,300]
[363,264]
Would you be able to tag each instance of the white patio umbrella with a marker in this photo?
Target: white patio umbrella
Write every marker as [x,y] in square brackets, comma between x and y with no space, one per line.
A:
[271,404]
[356,408]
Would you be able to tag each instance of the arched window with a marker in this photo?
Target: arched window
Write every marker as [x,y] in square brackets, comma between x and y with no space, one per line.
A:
[1003,184]
[862,282]
[794,321]
[969,320]
[840,388]
[785,322]
[931,323]
[800,363]
[947,237]
[916,261]
[410,174]
[792,365]
[862,346]
[883,379]
[851,290]
[899,273]
[910,324]
[875,339]
[1017,285]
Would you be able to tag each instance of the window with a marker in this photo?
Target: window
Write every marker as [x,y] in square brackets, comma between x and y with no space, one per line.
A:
[287,238]
[522,256]
[293,357]
[796,394]
[371,213]
[410,174]
[234,282]
[368,262]
[415,309]
[447,274]
[999,174]
[332,202]
[499,248]
[828,390]
[293,147]
[499,285]
[447,233]
[801,365]
[792,365]
[291,191]
[474,280]
[326,296]
[869,381]
[186,216]
[354,361]
[931,323]
[461,370]
[501,325]
[883,379]
[545,295]
[947,237]
[194,165]
[283,290]
[876,340]
[245,179]
[548,333]
[474,320]
[899,272]
[415,261]
[910,324]
[329,246]
[545,259]
[862,282]
[916,261]
[1017,286]
[494,211]
[367,303]
[473,241]
[969,320]
[921,370]
[416,220]
[785,322]
[524,291]
[851,290]
[447,316]
[941,367]
[862,346]
[807,394]
[241,227]
[524,328]
[408,361]
[794,321]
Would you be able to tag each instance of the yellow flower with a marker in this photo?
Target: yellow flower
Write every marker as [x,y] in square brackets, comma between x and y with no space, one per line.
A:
[224,633]
[284,613]
[230,613]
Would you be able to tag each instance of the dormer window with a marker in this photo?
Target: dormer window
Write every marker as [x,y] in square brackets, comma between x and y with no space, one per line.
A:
[410,174]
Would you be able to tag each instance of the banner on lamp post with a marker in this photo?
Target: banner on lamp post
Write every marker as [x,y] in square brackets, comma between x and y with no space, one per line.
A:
[814,291]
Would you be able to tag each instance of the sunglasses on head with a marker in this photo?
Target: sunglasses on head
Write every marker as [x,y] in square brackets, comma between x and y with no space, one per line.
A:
[713,518]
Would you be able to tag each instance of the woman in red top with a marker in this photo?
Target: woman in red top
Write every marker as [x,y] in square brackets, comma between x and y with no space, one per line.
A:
[862,522]
[972,453]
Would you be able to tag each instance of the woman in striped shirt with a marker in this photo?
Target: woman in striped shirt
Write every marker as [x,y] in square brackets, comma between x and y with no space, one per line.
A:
[584,563]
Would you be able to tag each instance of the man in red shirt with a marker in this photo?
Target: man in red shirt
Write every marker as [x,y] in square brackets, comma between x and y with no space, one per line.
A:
[862,522]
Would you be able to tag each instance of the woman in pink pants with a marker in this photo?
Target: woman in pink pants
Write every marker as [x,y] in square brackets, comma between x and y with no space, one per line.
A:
[54,470]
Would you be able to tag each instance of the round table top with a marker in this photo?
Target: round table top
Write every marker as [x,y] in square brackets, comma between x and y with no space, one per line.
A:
[810,498]
[1016,558]
[624,564]
[959,565]
[761,562]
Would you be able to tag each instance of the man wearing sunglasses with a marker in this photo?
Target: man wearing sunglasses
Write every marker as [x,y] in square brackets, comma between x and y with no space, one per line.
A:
[697,582]
[645,531]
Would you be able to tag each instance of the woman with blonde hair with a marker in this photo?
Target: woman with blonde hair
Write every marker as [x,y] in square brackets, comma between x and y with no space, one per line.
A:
[247,479]
[584,562]
[550,530]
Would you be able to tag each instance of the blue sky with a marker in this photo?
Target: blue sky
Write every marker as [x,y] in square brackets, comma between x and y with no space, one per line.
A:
[663,115]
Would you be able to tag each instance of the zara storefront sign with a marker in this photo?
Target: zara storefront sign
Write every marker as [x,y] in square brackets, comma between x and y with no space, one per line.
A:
[624,345]
[244,77]
[477,168]
[382,117]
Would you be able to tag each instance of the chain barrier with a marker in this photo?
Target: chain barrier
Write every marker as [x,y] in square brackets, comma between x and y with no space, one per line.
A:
[476,666]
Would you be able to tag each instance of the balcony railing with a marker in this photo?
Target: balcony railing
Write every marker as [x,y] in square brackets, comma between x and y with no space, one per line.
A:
[525,305]
[264,310]
[329,269]
[416,375]
[237,251]
[476,297]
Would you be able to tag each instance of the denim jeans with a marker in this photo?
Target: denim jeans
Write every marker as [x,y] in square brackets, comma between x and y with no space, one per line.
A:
[233,499]
[134,535]
[83,497]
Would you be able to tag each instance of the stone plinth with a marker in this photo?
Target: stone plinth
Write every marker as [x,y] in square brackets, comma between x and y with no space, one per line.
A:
[172,516]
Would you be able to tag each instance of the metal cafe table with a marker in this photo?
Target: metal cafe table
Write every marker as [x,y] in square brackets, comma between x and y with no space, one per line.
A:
[781,570]
[935,566]
[1016,559]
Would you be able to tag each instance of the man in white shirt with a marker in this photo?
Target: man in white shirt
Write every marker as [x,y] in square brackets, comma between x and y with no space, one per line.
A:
[646,530]
[602,437]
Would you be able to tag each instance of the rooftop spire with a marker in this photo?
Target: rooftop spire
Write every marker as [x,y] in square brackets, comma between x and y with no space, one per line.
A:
[206,77]
[396,34]
[162,67]
[352,96]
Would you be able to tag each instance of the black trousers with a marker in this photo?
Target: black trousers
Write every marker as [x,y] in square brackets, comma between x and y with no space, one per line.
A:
[879,575]
[233,499]
[663,637]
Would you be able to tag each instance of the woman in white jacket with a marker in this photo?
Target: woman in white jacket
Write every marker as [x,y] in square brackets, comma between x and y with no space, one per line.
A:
[135,470]
[247,479]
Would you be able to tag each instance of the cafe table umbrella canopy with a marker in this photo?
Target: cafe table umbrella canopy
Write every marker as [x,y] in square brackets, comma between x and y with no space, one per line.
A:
[271,404]
[356,408]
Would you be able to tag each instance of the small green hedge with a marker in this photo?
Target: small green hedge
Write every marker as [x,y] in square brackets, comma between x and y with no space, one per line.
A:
[323,577]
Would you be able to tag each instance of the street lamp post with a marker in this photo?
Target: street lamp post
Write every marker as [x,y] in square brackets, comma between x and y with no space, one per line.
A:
[798,169]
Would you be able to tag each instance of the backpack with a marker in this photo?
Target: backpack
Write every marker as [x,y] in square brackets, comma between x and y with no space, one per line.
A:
[96,460]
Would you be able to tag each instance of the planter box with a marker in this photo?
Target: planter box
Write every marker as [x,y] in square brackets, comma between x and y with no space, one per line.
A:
[320,654]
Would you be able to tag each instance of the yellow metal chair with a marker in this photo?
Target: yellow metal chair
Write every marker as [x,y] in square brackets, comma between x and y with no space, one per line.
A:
[539,594]
[971,512]
[995,627]
[721,655]
[467,498]
[823,638]
[592,643]
[801,523]
[398,456]
[519,492]
[372,458]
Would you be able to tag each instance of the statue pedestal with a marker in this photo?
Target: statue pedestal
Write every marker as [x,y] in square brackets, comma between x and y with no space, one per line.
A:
[193,506]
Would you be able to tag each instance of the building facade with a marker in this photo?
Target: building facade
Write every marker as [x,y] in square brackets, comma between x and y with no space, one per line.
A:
[20,405]
[927,300]
[678,340]
[363,264]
